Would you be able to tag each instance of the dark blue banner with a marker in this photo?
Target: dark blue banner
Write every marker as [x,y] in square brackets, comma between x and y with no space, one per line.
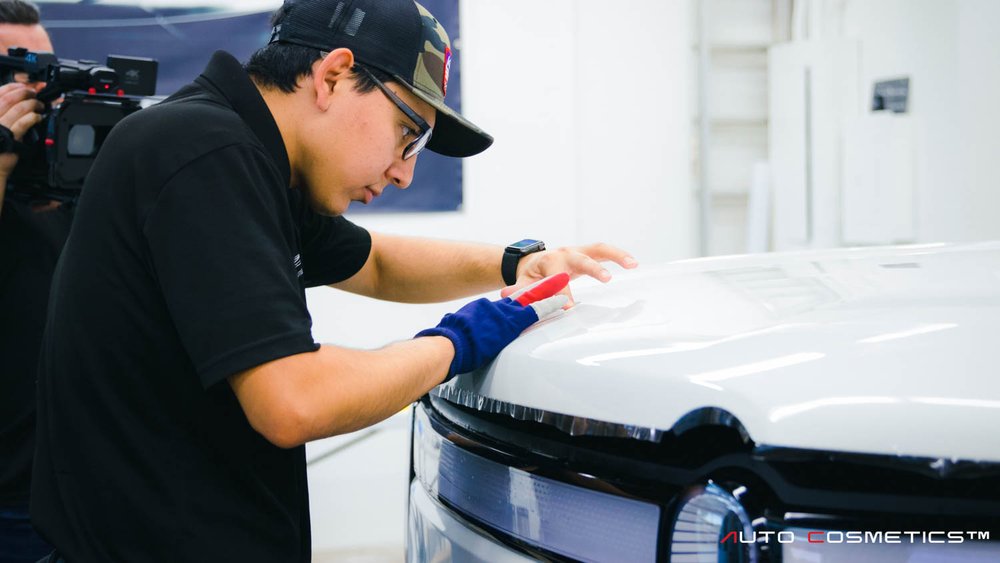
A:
[183,39]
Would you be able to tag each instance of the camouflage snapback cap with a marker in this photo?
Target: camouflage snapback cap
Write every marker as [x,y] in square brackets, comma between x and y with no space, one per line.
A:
[398,37]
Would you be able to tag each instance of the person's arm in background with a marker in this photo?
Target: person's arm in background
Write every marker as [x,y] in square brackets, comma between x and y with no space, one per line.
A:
[414,270]
[19,112]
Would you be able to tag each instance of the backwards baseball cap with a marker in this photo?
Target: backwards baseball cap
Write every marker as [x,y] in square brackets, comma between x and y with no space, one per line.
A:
[398,37]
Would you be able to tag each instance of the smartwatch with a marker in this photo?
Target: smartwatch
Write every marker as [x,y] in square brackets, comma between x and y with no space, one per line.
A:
[512,256]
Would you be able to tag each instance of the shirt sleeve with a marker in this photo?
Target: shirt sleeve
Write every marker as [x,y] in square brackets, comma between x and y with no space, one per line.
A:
[333,248]
[221,245]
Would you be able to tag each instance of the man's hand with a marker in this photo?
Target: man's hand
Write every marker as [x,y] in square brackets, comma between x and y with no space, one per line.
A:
[481,329]
[575,260]
[19,112]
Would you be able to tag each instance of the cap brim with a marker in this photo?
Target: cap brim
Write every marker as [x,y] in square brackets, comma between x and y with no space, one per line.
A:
[453,135]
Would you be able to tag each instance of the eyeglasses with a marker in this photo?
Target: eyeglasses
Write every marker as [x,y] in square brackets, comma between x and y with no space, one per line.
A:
[424,129]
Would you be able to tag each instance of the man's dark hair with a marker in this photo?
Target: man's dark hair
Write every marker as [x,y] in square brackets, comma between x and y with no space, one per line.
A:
[18,12]
[281,65]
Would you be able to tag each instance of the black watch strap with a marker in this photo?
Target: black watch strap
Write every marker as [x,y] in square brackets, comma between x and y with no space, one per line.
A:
[508,267]
[7,142]
[512,257]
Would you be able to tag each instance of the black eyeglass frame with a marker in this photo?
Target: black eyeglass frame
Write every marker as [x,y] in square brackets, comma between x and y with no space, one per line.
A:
[425,130]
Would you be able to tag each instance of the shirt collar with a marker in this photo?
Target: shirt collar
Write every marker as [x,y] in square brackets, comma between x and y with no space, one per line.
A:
[226,75]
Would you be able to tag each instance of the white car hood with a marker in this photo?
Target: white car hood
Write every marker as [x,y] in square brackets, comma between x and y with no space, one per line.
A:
[882,350]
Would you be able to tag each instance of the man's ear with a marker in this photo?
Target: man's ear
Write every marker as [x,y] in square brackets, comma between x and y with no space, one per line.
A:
[331,73]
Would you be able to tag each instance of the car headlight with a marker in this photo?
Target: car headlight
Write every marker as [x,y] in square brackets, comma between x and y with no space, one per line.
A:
[707,515]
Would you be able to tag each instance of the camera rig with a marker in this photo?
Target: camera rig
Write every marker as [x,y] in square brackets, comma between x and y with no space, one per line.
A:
[56,155]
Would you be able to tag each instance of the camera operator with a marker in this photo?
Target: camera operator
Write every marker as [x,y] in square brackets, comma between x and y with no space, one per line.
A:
[32,234]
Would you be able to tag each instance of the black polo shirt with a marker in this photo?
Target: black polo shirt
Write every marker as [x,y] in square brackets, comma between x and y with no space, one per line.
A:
[30,243]
[187,263]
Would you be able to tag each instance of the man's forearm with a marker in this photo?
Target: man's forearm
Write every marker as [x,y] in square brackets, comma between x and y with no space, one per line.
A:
[412,270]
[336,390]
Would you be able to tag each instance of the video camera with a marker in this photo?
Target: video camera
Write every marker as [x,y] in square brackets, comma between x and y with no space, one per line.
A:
[56,155]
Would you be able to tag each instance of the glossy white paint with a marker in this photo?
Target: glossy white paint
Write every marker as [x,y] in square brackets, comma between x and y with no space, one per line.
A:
[892,350]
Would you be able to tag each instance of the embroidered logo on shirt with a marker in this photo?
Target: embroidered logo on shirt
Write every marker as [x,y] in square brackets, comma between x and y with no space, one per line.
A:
[297,264]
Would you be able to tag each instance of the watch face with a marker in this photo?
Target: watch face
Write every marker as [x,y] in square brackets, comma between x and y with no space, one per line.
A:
[524,243]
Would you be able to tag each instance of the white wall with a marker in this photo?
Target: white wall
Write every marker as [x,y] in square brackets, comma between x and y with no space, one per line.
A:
[975,99]
[589,106]
[942,153]
[920,39]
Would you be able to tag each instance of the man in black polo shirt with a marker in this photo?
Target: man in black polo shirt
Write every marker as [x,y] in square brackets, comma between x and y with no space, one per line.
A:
[179,377]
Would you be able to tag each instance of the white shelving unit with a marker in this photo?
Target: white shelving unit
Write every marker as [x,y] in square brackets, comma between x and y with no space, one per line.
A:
[731,123]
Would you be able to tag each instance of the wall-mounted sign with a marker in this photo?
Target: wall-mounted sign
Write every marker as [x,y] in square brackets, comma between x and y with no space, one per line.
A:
[891,95]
